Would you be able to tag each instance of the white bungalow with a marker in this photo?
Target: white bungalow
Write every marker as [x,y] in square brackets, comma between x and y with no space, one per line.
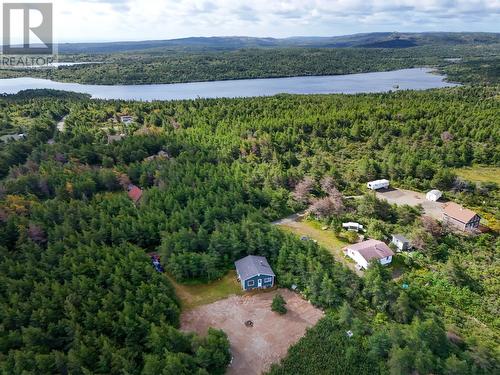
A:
[363,252]
[378,184]
[433,195]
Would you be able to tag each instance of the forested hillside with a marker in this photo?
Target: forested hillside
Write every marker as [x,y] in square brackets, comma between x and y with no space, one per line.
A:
[470,63]
[79,295]
[229,43]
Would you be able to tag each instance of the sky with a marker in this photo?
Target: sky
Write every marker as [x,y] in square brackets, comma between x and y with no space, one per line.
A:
[119,20]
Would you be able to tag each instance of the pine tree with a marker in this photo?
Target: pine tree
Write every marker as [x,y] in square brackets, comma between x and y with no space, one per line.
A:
[278,304]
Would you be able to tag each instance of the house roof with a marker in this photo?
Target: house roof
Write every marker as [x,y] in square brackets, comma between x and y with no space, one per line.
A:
[253,265]
[371,249]
[400,237]
[115,137]
[458,212]
[134,193]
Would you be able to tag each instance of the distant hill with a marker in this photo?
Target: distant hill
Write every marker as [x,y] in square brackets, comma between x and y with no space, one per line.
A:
[188,44]
[369,40]
[392,43]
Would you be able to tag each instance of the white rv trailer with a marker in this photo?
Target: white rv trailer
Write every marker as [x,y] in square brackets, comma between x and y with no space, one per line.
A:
[352,226]
[378,184]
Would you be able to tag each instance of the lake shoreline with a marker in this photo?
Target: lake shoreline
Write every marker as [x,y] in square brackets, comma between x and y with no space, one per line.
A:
[431,70]
[356,83]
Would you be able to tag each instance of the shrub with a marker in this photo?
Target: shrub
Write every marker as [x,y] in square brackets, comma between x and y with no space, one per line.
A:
[278,304]
[349,236]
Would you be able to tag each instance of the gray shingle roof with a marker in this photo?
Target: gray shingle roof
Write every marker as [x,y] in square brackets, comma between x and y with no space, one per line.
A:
[253,265]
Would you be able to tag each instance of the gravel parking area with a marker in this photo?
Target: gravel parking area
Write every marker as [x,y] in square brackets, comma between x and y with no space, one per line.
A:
[412,198]
[255,348]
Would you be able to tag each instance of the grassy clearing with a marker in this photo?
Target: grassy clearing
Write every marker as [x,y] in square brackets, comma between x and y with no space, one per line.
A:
[325,238]
[196,294]
[479,173]
[328,240]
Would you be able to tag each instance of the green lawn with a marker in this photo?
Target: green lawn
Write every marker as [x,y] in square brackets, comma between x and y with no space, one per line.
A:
[196,294]
[479,173]
[325,238]
[328,240]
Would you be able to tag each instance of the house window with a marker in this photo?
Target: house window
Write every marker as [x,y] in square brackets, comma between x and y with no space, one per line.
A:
[268,280]
[250,283]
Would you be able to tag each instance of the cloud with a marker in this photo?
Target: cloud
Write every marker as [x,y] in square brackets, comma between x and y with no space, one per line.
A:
[117,5]
[163,19]
[246,13]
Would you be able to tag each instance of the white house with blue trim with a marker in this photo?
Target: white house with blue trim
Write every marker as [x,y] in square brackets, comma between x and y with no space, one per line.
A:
[254,272]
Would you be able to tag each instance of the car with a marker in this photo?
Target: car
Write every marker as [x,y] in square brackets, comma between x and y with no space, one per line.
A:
[156,264]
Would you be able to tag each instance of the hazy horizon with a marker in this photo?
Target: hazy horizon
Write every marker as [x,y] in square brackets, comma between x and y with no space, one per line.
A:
[272,37]
[135,20]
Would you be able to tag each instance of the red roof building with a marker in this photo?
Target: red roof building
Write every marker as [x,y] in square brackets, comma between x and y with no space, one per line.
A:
[134,193]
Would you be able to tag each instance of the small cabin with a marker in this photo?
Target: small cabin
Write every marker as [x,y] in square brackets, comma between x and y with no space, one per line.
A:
[134,193]
[254,272]
[378,184]
[433,195]
[401,242]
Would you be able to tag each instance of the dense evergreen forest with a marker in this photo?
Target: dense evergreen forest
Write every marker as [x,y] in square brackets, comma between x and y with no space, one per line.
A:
[477,63]
[79,295]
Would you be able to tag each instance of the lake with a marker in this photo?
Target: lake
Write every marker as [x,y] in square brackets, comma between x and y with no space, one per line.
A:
[404,79]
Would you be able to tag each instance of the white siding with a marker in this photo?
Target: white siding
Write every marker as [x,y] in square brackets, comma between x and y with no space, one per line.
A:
[358,258]
[398,243]
[378,184]
[386,260]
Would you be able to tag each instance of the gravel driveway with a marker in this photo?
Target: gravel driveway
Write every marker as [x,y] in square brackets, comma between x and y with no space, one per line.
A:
[412,198]
[255,348]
